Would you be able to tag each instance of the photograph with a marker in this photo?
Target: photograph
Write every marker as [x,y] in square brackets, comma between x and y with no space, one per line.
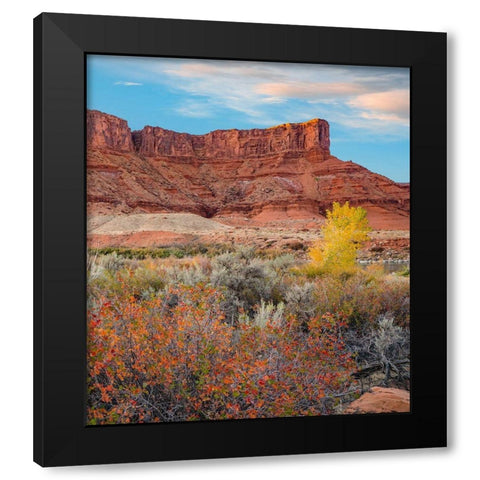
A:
[248,239]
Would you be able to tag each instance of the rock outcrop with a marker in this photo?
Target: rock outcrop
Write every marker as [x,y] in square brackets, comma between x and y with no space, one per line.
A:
[108,132]
[381,400]
[279,174]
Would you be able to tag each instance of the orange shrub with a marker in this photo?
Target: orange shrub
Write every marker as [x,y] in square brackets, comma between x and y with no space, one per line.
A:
[174,358]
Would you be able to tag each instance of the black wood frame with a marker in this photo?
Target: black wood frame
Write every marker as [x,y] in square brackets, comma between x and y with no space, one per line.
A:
[61,42]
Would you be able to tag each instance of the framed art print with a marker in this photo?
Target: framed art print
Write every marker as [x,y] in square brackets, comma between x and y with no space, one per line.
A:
[239,246]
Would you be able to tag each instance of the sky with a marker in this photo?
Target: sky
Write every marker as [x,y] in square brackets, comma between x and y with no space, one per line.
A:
[367,107]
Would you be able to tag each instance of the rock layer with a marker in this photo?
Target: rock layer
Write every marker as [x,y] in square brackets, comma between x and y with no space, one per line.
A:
[265,175]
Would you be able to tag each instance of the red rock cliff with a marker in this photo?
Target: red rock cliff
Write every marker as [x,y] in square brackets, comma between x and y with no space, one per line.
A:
[283,172]
[108,132]
[296,137]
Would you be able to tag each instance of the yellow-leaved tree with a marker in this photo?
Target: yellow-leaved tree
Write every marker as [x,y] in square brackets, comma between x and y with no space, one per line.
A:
[344,232]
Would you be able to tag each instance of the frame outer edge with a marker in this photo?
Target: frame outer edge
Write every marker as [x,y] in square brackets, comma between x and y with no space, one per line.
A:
[38,326]
[59,435]
[59,184]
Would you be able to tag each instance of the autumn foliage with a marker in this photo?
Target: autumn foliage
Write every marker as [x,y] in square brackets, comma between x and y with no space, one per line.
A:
[173,357]
[344,232]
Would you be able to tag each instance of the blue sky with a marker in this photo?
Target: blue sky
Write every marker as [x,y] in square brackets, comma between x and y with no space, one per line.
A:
[367,107]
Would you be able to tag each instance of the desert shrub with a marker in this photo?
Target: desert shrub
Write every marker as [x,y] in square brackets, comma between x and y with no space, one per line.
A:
[404,272]
[101,251]
[187,275]
[138,279]
[101,281]
[301,301]
[246,281]
[364,296]
[94,270]
[374,271]
[282,263]
[139,253]
[232,335]
[265,313]
[173,357]
[394,299]
[360,295]
[308,269]
[391,342]
[145,278]
[100,264]
[384,343]
[112,262]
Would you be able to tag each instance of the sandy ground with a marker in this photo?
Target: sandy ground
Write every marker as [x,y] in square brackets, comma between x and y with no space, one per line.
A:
[185,223]
[167,229]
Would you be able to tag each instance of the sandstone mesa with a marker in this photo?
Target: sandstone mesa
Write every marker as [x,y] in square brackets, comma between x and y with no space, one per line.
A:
[280,174]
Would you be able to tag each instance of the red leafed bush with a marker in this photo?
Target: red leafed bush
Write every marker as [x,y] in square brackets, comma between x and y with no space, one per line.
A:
[173,357]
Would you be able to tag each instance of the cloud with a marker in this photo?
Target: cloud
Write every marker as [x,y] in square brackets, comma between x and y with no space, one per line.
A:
[273,100]
[369,98]
[393,105]
[192,70]
[384,117]
[128,84]
[268,93]
[194,109]
[310,90]
[225,69]
[363,126]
